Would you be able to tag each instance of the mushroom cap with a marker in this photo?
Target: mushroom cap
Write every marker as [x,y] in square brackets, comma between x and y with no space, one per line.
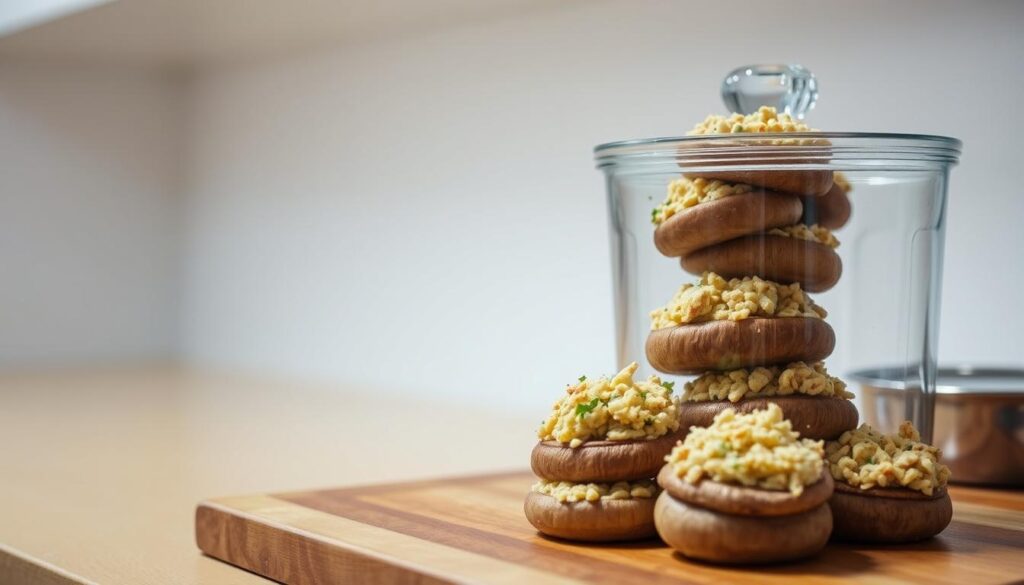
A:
[815,266]
[814,417]
[603,461]
[797,182]
[743,500]
[708,535]
[890,515]
[723,219]
[601,521]
[694,348]
[831,210]
[746,150]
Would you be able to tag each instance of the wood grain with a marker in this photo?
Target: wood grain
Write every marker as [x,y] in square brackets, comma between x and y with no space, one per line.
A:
[472,529]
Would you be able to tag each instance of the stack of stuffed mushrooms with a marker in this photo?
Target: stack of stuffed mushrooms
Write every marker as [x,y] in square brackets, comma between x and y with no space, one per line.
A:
[765,461]
[599,451]
[747,327]
[745,489]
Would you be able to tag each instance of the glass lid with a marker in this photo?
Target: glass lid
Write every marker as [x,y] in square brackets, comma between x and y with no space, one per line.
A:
[792,90]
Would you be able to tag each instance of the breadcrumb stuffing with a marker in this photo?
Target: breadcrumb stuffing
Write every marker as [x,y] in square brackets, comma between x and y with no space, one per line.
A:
[616,409]
[759,449]
[765,119]
[684,193]
[812,233]
[568,492]
[735,385]
[841,180]
[713,298]
[866,458]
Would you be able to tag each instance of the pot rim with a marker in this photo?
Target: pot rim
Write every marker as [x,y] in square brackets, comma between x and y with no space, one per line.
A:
[964,379]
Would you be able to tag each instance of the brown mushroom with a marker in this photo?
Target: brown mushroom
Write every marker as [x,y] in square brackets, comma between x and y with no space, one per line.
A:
[603,461]
[601,521]
[727,345]
[708,535]
[723,219]
[743,500]
[797,182]
[831,210]
[814,417]
[815,266]
[774,162]
[890,515]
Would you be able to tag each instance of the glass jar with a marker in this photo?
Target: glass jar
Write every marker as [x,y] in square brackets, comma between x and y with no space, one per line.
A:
[884,306]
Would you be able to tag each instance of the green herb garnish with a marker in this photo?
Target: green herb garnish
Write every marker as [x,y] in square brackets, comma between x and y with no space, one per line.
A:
[654,215]
[582,409]
[581,378]
[670,385]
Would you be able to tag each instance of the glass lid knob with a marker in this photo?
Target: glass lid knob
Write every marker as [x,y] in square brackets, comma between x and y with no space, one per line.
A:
[788,88]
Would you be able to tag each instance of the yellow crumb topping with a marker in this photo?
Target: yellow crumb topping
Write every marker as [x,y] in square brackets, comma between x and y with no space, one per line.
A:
[796,378]
[841,180]
[759,449]
[684,193]
[713,298]
[866,458]
[812,233]
[568,492]
[764,120]
[616,409]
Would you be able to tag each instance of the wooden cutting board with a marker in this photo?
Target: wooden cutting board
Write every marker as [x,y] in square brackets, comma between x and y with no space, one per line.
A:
[472,529]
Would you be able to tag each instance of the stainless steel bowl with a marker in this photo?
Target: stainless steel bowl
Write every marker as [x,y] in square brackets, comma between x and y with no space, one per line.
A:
[979,418]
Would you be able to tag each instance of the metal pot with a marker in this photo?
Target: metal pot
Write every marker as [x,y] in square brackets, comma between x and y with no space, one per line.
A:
[979,418]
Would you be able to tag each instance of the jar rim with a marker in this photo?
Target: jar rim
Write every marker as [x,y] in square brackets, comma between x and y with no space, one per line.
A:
[792,150]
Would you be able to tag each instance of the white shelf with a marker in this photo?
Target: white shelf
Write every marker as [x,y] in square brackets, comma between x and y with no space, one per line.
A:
[187,33]
[17,15]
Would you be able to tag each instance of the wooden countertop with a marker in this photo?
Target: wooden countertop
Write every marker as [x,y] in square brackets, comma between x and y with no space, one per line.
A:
[472,529]
[100,471]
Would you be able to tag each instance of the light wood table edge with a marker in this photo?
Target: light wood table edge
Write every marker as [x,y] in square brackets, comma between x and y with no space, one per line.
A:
[18,567]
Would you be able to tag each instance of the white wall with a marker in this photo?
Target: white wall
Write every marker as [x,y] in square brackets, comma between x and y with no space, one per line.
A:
[422,213]
[88,218]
